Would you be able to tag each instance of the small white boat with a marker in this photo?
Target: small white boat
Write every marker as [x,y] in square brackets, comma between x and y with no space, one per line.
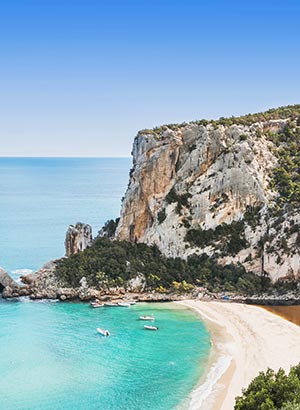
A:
[147,317]
[110,304]
[103,332]
[147,327]
[132,302]
[96,304]
[124,304]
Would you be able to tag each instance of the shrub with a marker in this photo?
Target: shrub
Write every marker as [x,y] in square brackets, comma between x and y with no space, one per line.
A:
[161,216]
[271,391]
[285,112]
[109,228]
[107,263]
[286,176]
[230,238]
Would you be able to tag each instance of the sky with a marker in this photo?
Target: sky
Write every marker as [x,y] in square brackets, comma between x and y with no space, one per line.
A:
[81,77]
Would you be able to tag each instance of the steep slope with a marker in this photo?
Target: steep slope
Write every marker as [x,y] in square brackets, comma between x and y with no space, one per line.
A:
[228,188]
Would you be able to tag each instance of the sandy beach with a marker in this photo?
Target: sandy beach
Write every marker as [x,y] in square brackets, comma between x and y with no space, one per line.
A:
[246,340]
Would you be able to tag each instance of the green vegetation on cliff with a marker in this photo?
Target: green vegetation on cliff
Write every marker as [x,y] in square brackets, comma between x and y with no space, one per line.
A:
[116,262]
[286,176]
[272,391]
[285,112]
[229,238]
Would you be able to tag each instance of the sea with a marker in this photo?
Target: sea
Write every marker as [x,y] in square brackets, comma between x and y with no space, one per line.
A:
[51,356]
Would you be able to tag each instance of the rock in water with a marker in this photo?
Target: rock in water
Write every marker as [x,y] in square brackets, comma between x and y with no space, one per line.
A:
[7,284]
[78,238]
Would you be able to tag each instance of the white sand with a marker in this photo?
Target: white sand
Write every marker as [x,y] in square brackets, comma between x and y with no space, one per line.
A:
[246,340]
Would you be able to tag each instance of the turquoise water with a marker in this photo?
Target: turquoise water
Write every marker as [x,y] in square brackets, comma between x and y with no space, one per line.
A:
[50,354]
[52,358]
[40,197]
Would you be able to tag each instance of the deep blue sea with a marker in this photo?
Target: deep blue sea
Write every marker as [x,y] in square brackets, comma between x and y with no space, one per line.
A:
[51,355]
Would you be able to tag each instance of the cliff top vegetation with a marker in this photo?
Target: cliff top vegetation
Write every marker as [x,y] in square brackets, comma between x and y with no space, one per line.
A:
[284,112]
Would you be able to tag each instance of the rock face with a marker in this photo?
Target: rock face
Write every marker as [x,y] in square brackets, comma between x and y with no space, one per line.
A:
[43,283]
[6,282]
[78,238]
[200,177]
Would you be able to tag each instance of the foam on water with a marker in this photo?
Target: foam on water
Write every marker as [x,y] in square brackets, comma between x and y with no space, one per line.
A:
[21,271]
[200,397]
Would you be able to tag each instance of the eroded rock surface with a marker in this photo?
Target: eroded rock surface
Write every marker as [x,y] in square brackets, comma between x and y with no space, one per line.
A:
[78,238]
[199,177]
[7,284]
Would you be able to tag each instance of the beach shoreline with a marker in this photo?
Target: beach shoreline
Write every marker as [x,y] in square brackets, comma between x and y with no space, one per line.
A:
[245,339]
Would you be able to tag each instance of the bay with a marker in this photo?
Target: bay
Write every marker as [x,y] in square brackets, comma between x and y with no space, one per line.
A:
[51,355]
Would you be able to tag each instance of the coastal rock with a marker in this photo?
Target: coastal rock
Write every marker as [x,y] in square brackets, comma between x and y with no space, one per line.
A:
[78,238]
[137,284]
[7,292]
[84,292]
[28,279]
[67,294]
[198,177]
[7,285]
[43,283]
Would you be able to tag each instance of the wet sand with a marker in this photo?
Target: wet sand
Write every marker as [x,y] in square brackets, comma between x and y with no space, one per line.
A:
[246,340]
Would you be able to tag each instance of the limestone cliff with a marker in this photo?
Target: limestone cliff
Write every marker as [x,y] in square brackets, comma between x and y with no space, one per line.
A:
[78,238]
[208,187]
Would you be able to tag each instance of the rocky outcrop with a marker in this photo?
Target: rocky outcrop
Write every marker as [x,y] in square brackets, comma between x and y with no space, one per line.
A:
[196,178]
[43,283]
[153,172]
[78,238]
[7,284]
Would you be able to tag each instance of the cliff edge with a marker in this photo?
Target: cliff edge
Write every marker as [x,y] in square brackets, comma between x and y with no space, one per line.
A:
[228,188]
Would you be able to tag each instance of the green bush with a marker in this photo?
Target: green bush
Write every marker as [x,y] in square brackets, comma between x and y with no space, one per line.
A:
[272,391]
[109,228]
[161,216]
[106,263]
[229,238]
[285,112]
[286,176]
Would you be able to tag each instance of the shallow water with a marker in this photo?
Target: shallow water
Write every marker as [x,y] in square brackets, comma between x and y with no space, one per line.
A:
[50,354]
[53,358]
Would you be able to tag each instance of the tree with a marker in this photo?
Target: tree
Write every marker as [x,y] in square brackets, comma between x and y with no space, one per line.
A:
[272,391]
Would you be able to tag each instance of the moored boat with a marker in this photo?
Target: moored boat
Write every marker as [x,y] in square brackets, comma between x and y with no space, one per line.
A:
[147,318]
[110,304]
[96,304]
[147,327]
[124,304]
[103,332]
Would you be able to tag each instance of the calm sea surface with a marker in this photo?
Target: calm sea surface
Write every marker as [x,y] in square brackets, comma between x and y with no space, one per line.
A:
[51,356]
[40,197]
